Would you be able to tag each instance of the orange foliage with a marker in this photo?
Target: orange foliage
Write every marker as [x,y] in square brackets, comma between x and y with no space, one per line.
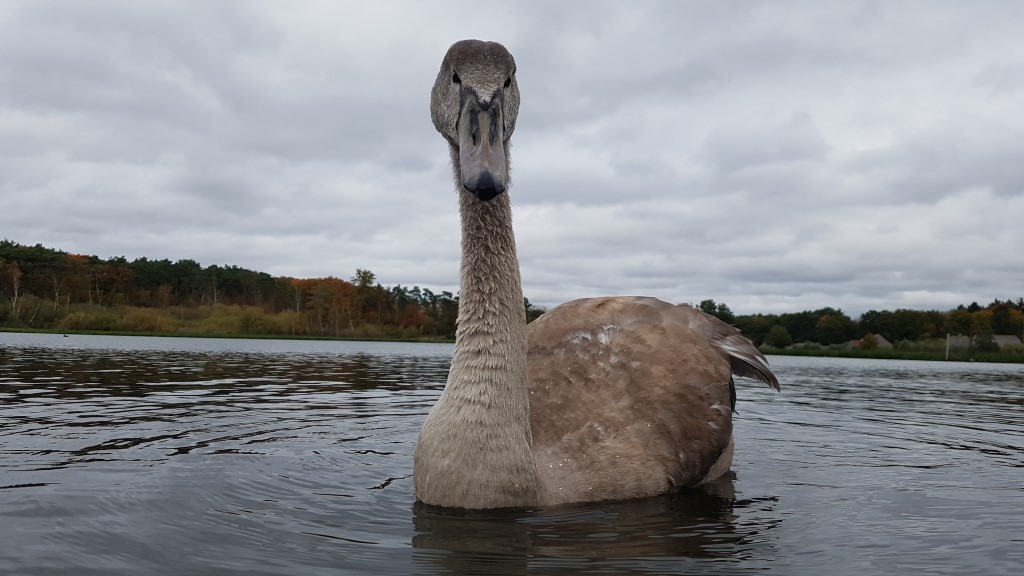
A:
[411,317]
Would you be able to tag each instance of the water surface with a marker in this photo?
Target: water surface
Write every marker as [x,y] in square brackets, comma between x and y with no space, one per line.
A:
[186,456]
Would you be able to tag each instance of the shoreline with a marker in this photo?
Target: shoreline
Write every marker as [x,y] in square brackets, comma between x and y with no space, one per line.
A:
[923,355]
[223,335]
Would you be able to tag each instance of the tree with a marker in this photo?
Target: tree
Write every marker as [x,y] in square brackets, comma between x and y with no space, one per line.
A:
[1002,319]
[869,342]
[42,286]
[720,311]
[801,325]
[188,280]
[958,321]
[756,326]
[834,328]
[981,329]
[532,312]
[411,317]
[901,324]
[366,294]
[14,274]
[364,278]
[778,337]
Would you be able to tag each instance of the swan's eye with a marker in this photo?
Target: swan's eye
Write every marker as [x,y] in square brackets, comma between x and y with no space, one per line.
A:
[508,82]
[455,78]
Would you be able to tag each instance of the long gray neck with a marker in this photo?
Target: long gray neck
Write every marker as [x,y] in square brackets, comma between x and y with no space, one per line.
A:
[475,448]
[490,342]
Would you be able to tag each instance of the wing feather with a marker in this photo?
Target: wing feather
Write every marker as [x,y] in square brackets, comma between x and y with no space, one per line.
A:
[630,395]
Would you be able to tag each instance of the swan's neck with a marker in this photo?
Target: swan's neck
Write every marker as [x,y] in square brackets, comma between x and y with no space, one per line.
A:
[490,343]
[475,448]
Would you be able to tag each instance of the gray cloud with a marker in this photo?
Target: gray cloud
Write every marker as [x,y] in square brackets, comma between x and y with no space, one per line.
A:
[774,157]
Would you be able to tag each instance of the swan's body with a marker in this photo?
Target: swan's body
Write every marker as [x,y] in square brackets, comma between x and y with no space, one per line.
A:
[602,398]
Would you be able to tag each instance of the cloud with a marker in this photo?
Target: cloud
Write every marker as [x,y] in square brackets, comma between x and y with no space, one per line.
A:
[774,157]
[733,149]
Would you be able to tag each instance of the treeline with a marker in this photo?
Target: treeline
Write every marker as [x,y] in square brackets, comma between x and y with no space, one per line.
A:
[46,288]
[902,327]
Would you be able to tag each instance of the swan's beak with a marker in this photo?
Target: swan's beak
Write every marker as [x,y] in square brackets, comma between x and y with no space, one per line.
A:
[482,148]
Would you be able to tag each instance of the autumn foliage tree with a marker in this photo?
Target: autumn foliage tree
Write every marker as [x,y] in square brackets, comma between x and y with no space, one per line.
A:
[86,292]
[50,289]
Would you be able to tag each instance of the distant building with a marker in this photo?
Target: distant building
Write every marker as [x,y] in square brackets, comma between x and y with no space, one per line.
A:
[882,343]
[1004,341]
[1008,342]
[876,341]
[959,342]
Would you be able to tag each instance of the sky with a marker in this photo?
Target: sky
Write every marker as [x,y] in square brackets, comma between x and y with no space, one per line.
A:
[774,156]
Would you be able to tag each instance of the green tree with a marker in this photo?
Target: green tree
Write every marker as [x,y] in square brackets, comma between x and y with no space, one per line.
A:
[901,324]
[756,326]
[834,328]
[778,337]
[1002,319]
[959,322]
[981,329]
[532,312]
[718,310]
[801,325]
[366,296]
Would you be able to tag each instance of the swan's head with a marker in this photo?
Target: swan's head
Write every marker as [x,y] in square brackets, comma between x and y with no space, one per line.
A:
[474,105]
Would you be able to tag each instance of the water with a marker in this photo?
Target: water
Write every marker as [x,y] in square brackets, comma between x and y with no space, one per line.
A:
[182,456]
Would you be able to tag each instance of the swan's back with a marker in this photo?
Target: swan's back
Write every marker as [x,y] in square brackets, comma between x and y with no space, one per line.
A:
[630,396]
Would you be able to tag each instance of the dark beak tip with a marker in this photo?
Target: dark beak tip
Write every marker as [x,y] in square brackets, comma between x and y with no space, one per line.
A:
[486,187]
[486,194]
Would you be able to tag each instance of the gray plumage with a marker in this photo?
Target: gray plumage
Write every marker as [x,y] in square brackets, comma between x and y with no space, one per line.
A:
[600,398]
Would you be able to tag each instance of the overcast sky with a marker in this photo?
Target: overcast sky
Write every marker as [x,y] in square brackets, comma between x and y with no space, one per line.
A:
[775,156]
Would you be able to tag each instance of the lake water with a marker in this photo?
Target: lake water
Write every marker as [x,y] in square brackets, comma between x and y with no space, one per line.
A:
[206,456]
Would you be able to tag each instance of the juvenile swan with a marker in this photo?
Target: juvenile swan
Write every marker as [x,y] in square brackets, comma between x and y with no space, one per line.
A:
[600,398]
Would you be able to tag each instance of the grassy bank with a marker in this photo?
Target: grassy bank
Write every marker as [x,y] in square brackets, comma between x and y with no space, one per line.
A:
[896,354]
[180,334]
[215,321]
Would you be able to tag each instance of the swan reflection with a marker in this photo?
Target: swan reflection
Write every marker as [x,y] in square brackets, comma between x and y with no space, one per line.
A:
[697,526]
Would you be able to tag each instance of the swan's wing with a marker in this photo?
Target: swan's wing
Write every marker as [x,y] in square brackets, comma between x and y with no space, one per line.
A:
[629,396]
[744,358]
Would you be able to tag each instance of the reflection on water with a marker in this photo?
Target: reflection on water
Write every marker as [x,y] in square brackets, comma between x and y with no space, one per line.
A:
[175,456]
[667,532]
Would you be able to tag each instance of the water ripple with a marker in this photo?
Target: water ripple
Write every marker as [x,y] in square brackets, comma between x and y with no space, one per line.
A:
[167,456]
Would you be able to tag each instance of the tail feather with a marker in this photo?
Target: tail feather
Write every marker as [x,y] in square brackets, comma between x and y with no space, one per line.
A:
[744,358]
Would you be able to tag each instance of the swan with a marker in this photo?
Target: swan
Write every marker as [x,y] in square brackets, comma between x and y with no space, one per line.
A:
[600,398]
